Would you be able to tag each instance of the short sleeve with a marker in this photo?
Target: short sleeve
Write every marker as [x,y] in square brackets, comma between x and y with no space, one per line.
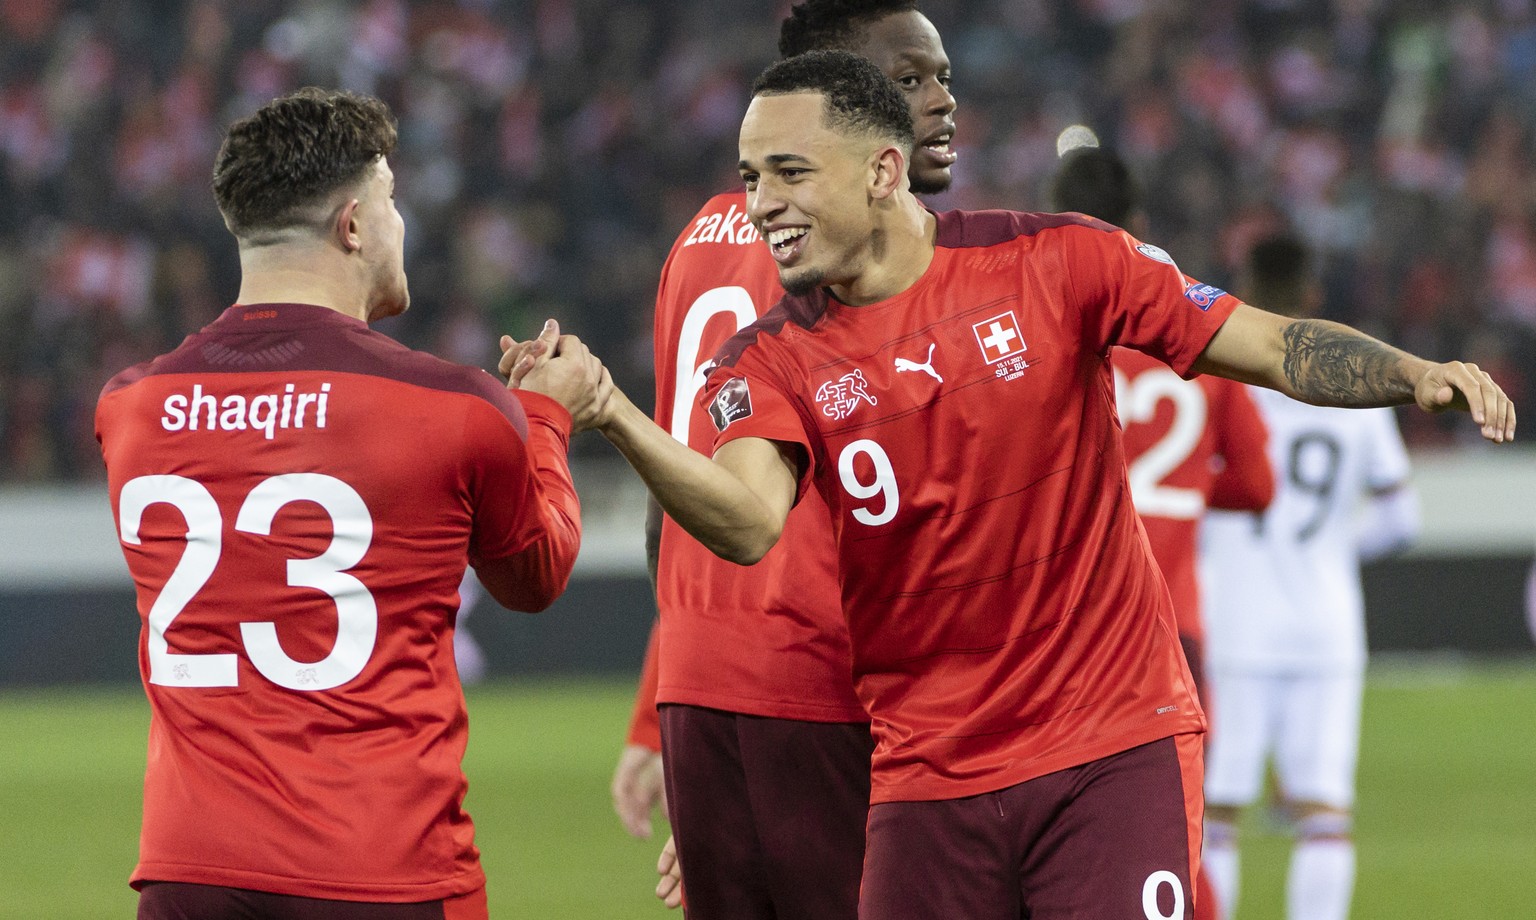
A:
[1132,293]
[744,401]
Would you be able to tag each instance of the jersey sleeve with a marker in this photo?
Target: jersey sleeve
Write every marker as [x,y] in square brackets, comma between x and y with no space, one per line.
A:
[644,721]
[1133,294]
[1247,480]
[746,400]
[530,560]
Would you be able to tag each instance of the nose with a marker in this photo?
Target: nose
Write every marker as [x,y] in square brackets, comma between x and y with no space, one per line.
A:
[764,203]
[940,101]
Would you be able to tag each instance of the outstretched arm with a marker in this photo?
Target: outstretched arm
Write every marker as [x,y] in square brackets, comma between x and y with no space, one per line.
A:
[735,504]
[1329,364]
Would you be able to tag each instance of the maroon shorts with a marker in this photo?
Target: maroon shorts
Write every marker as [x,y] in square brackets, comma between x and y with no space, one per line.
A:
[186,901]
[768,814]
[1114,839]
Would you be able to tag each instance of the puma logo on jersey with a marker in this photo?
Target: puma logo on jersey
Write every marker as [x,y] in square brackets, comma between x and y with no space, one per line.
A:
[902,364]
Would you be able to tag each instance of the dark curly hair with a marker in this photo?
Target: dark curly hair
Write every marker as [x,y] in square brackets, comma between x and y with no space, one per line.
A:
[277,165]
[859,96]
[833,25]
[1096,182]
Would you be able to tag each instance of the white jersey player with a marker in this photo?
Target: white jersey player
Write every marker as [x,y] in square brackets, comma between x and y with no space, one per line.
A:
[1285,627]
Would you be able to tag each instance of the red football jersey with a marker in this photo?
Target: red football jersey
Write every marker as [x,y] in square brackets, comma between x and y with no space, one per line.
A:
[769,639]
[1182,439]
[1007,618]
[297,497]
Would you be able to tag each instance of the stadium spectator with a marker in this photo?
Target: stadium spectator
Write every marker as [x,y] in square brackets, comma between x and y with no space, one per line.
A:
[767,748]
[997,589]
[1379,117]
[1287,621]
[1189,444]
[297,571]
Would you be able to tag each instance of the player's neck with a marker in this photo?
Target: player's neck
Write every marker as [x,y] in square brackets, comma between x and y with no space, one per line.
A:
[281,274]
[899,254]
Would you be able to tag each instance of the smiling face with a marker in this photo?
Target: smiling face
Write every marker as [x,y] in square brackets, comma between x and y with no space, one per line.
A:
[807,189]
[908,49]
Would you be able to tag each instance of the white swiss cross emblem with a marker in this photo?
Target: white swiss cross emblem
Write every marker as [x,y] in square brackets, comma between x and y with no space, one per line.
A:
[999,337]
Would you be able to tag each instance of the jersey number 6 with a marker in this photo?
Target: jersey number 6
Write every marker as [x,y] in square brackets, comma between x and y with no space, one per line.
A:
[356,614]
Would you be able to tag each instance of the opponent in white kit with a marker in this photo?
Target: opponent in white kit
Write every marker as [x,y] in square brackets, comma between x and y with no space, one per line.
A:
[1285,627]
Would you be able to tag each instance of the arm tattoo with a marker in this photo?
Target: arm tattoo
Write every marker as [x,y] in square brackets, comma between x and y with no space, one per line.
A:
[1332,365]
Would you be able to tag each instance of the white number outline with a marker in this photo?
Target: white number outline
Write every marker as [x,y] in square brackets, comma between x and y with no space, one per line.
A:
[1149,896]
[689,373]
[885,481]
[1138,400]
[356,610]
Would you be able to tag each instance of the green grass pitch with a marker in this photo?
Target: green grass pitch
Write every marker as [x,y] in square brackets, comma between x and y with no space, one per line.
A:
[1446,820]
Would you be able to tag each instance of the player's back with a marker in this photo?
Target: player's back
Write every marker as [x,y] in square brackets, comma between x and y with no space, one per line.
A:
[296,497]
[767,639]
[1182,438]
[1284,588]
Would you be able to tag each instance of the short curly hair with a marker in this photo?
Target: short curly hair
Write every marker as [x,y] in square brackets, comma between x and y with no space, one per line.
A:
[275,166]
[859,97]
[833,25]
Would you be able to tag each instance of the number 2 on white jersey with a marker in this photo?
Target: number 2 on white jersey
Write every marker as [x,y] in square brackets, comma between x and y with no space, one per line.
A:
[356,613]
[1138,400]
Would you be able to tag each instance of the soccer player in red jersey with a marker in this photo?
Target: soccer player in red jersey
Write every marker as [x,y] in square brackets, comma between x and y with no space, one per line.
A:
[297,497]
[1189,444]
[941,380]
[768,748]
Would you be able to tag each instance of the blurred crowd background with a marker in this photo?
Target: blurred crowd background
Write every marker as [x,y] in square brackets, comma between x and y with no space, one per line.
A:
[551,150]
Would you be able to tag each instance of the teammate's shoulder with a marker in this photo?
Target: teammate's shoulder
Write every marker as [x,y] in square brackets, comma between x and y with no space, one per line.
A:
[970,229]
[428,371]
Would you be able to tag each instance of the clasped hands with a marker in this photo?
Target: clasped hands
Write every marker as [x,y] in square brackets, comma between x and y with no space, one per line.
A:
[564,369]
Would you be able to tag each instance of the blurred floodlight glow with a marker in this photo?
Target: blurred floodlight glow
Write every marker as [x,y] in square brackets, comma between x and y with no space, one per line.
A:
[1073,137]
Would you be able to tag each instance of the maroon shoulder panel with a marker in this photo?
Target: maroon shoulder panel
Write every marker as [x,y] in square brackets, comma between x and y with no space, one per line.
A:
[300,337]
[970,229]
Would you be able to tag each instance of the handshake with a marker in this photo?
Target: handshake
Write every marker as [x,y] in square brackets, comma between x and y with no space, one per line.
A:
[564,369]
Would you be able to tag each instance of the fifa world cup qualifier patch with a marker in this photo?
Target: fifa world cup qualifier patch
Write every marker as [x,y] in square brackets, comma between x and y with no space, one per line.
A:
[732,403]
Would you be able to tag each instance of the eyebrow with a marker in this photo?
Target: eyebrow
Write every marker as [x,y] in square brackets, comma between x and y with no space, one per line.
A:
[775,159]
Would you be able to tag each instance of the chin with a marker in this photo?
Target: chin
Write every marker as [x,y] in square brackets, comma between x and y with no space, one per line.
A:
[930,181]
[802,282]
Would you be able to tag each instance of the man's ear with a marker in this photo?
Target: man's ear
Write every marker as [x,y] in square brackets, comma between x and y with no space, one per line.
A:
[887,171]
[346,230]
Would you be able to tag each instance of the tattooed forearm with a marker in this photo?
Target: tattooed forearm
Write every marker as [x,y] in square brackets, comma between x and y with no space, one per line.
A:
[1332,365]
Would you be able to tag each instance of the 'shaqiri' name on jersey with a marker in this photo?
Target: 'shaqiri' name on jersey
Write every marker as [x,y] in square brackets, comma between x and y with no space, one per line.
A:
[264,412]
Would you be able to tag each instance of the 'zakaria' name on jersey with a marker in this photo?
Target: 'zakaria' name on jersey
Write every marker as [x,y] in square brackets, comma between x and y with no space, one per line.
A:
[838,398]
[267,413]
[730,227]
